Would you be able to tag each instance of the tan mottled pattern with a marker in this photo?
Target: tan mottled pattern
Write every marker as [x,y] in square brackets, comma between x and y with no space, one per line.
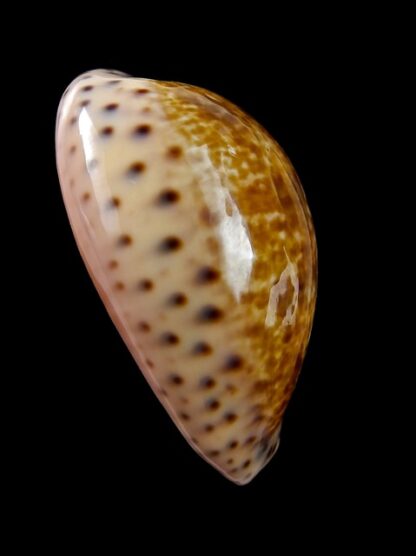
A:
[196,232]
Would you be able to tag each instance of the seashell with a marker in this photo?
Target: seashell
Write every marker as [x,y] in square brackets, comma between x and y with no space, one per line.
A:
[196,232]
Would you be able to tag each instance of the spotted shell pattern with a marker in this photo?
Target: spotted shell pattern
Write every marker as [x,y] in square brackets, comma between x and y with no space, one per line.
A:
[196,232]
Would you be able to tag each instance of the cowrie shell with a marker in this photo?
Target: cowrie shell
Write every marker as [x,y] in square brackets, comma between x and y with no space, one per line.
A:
[196,232]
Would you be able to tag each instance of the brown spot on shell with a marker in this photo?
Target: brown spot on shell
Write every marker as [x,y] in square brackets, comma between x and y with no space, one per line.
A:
[124,240]
[176,379]
[230,417]
[168,197]
[169,338]
[209,313]
[207,275]
[107,131]
[213,405]
[145,285]
[174,152]
[207,217]
[136,168]
[177,299]
[143,326]
[201,348]
[142,130]
[213,245]
[207,383]
[114,202]
[233,362]
[170,244]
[111,107]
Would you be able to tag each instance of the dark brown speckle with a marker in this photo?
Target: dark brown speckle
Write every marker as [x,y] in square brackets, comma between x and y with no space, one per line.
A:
[207,275]
[145,285]
[107,131]
[113,203]
[177,299]
[213,405]
[201,348]
[209,313]
[207,383]
[168,197]
[142,130]
[233,362]
[124,240]
[143,326]
[230,417]
[111,107]
[174,152]
[136,168]
[175,379]
[170,244]
[169,338]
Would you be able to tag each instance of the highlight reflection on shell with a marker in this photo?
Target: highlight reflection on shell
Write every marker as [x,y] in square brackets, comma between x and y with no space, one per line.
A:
[196,232]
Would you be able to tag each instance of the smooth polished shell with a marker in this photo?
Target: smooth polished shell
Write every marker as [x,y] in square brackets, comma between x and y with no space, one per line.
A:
[195,230]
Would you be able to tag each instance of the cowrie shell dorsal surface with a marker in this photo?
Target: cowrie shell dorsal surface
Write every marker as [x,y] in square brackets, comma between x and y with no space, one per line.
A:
[196,232]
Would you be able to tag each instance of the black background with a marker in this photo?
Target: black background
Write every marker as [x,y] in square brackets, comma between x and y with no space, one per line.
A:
[101,442]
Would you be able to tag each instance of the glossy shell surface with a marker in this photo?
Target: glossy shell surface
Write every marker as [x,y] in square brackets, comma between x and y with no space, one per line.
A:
[196,232]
